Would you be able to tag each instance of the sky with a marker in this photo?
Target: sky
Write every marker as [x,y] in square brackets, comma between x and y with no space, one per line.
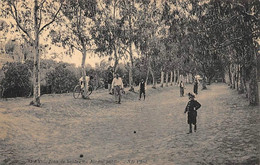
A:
[76,58]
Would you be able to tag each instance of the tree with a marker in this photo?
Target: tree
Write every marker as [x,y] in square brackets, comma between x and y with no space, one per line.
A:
[238,23]
[32,20]
[178,40]
[225,32]
[129,15]
[107,30]
[147,39]
[78,15]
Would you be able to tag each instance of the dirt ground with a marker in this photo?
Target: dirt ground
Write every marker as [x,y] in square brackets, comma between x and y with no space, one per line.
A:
[98,131]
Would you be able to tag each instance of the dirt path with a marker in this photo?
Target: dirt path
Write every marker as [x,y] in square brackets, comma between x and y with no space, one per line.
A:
[103,132]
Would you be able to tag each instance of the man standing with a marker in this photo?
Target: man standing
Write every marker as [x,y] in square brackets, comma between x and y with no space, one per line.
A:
[142,88]
[117,85]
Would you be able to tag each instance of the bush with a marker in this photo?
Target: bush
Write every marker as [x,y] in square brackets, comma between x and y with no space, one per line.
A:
[61,80]
[16,81]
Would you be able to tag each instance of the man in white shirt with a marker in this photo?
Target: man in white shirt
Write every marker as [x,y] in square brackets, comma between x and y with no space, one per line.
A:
[117,85]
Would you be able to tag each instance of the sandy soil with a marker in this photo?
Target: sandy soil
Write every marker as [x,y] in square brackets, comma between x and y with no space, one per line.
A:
[98,131]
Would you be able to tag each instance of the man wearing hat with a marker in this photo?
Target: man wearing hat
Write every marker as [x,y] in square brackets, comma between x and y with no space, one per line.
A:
[192,108]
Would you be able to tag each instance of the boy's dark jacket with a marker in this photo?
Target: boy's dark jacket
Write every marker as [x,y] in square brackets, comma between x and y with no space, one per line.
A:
[192,105]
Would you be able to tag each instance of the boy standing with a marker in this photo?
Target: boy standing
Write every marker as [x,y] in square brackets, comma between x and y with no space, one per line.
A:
[142,88]
[192,108]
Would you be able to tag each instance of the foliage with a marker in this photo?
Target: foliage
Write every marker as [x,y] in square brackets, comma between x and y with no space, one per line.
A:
[16,81]
[76,18]
[61,79]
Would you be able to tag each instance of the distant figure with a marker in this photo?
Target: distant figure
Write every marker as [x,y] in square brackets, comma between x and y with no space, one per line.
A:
[195,88]
[181,89]
[117,85]
[192,108]
[142,88]
[110,79]
[82,83]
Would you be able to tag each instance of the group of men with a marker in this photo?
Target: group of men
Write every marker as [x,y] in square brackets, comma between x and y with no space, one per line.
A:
[115,86]
[195,87]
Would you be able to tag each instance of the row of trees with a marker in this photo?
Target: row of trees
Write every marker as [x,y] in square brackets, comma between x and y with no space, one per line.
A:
[59,77]
[55,78]
[173,36]
[231,32]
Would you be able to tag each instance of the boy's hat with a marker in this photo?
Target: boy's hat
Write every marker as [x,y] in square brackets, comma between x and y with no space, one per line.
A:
[191,95]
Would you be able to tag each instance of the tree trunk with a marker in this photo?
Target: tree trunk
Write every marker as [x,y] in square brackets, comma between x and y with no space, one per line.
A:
[36,66]
[171,78]
[230,76]
[131,80]
[244,82]
[234,79]
[237,77]
[148,70]
[131,69]
[190,78]
[167,78]
[204,83]
[253,85]
[178,76]
[245,86]
[84,54]
[253,88]
[36,76]
[182,78]
[152,73]
[162,79]
[154,79]
[174,77]
[241,82]
[116,60]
